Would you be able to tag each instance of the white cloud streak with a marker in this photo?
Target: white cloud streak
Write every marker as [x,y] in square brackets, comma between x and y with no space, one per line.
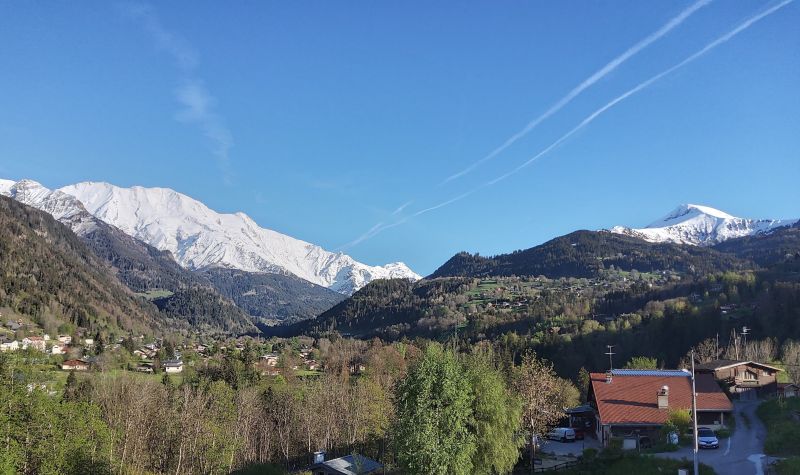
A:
[722,39]
[197,104]
[587,83]
[586,121]
[401,208]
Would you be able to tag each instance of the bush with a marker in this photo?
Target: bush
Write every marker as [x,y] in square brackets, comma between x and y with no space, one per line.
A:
[787,466]
[723,433]
[783,431]
[589,454]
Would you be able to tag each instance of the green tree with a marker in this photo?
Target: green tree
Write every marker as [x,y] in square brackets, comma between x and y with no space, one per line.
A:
[497,417]
[584,382]
[434,415]
[641,362]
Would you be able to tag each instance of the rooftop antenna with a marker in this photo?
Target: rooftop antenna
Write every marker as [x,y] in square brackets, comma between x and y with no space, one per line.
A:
[610,354]
[745,332]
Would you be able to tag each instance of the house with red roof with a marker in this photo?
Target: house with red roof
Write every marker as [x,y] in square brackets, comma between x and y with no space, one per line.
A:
[630,403]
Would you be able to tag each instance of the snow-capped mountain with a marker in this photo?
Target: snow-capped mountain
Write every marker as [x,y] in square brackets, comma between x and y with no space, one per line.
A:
[63,207]
[200,238]
[702,226]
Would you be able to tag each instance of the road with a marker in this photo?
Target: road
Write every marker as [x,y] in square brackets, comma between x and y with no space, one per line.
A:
[742,453]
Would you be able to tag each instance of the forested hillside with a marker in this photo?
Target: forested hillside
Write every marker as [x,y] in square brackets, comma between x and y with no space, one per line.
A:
[138,265]
[284,298]
[767,249]
[47,273]
[587,254]
[205,311]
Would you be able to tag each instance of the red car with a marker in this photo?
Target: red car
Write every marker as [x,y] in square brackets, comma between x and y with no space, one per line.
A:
[580,433]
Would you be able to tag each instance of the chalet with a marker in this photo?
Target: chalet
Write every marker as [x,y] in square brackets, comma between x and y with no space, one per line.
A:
[348,465]
[75,365]
[145,368]
[173,366]
[745,378]
[57,349]
[65,339]
[35,342]
[270,359]
[630,403]
[9,345]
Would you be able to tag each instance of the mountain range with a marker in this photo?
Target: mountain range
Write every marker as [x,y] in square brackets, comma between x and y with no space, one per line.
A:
[223,272]
[197,237]
[702,226]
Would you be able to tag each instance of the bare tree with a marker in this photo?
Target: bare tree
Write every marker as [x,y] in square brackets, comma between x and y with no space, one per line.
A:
[790,354]
[542,403]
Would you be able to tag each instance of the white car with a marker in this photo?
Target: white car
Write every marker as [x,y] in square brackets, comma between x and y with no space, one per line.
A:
[564,434]
[707,439]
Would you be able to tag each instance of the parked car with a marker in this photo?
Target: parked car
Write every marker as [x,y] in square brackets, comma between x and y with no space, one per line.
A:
[707,439]
[563,434]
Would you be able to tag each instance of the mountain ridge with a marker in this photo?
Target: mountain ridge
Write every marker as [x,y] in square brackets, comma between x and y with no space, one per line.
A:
[201,238]
[701,225]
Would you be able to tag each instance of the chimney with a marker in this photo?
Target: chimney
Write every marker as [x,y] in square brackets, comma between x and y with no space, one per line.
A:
[663,398]
[319,457]
[609,377]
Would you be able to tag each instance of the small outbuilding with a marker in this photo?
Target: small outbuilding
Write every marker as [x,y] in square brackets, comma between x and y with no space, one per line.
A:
[348,465]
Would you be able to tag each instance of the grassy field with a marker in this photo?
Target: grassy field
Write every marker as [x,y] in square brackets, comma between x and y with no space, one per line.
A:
[639,465]
[154,294]
[790,466]
[782,418]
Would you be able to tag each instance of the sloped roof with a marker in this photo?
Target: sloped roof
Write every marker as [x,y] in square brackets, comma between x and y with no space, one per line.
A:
[632,398]
[722,364]
[352,465]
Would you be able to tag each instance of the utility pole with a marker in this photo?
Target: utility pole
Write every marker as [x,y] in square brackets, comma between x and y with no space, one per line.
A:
[610,354]
[694,419]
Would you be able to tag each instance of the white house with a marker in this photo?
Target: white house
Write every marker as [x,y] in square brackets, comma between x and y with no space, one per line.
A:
[35,342]
[65,339]
[57,349]
[9,346]
[173,366]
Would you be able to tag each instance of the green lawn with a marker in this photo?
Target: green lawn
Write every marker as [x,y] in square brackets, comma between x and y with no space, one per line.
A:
[782,419]
[635,464]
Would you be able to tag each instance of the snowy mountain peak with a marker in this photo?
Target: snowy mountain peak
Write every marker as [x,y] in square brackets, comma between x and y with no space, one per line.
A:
[61,206]
[199,237]
[701,226]
[685,211]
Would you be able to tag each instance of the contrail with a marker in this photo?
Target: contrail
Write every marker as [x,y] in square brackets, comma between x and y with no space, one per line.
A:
[600,74]
[710,46]
[401,208]
[722,39]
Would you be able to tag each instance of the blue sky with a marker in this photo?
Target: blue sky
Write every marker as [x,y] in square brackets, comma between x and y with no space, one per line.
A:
[320,119]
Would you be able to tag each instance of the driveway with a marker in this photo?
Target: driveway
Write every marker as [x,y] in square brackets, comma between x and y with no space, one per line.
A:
[569,448]
[742,453]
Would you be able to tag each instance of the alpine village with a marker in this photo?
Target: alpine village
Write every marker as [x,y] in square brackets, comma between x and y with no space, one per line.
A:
[299,238]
